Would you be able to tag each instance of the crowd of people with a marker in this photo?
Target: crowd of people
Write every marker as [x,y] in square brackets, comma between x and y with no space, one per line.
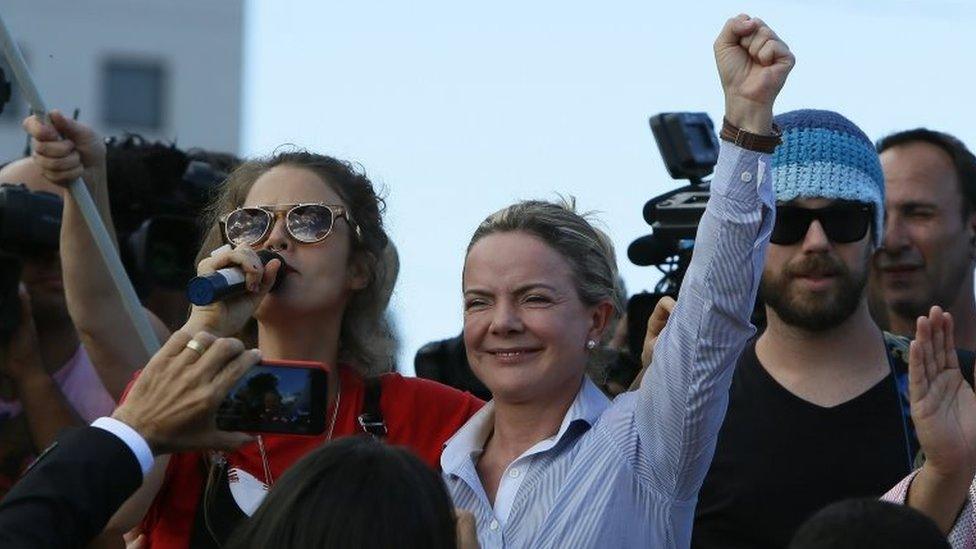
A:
[848,420]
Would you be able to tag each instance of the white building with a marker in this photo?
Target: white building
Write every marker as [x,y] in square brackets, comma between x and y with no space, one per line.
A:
[165,69]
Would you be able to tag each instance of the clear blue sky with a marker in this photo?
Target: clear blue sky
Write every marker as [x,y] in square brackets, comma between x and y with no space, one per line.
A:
[457,109]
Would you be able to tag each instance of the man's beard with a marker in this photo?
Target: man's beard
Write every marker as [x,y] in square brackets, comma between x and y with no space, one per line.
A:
[814,312]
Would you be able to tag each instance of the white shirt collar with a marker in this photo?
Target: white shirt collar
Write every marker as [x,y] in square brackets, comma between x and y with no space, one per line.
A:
[469,441]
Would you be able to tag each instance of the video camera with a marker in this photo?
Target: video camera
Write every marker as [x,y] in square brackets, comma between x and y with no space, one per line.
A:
[689,147]
[30,226]
[161,251]
[157,226]
[158,194]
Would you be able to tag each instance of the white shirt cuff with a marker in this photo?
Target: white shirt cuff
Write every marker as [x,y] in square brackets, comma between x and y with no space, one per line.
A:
[131,438]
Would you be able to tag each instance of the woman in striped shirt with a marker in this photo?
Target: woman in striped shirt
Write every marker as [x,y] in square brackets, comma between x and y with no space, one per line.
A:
[550,462]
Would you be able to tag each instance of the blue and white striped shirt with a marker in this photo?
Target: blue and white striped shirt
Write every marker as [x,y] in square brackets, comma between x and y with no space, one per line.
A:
[627,474]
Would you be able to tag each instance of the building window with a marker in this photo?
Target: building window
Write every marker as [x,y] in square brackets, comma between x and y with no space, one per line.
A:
[16,109]
[133,94]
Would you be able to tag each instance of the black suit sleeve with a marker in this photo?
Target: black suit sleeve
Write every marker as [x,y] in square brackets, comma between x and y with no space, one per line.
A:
[71,491]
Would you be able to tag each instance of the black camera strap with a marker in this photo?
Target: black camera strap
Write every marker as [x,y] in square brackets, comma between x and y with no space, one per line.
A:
[371,418]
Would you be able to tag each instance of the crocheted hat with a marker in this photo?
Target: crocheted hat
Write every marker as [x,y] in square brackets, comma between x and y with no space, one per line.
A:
[824,155]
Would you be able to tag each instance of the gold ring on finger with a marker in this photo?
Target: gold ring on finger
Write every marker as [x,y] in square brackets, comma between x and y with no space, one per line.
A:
[196,346]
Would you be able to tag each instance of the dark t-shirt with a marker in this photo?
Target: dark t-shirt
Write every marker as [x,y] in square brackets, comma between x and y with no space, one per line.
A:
[780,458]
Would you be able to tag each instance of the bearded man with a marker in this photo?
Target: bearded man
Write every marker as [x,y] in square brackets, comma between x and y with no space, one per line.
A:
[818,409]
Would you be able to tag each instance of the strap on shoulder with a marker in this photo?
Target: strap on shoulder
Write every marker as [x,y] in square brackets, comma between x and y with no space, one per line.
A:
[371,418]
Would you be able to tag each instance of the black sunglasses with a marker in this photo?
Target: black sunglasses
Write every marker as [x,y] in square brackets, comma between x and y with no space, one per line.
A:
[843,223]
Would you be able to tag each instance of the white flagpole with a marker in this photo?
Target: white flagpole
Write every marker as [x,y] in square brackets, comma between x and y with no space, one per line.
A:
[81,195]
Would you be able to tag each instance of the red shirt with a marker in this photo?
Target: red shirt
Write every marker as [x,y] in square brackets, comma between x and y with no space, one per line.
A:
[419,413]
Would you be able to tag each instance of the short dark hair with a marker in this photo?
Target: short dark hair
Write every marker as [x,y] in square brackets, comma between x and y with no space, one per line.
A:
[861,523]
[963,160]
[353,492]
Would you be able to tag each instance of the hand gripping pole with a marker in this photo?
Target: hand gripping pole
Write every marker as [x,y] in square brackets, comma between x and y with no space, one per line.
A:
[85,203]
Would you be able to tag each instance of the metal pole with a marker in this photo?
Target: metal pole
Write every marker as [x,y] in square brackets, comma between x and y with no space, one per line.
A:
[85,203]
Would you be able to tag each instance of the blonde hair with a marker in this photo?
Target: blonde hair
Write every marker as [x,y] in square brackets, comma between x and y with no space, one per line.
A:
[587,249]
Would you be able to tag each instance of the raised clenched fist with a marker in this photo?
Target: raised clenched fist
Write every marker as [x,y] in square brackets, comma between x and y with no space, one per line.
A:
[753,63]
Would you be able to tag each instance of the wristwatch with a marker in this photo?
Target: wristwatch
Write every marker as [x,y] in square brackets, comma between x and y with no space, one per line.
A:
[751,141]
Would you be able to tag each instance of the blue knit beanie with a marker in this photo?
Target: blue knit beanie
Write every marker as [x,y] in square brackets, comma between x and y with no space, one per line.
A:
[824,155]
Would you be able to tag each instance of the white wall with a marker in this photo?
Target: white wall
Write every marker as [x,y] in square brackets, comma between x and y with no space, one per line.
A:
[199,42]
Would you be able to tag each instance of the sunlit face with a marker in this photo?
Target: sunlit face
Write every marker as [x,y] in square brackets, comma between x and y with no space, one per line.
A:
[41,274]
[815,284]
[525,327]
[320,276]
[927,251]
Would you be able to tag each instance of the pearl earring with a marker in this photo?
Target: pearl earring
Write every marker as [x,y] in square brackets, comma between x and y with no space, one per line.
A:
[591,344]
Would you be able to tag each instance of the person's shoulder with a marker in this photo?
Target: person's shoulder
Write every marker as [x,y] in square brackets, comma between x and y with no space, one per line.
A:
[425,387]
[898,345]
[748,360]
[429,393]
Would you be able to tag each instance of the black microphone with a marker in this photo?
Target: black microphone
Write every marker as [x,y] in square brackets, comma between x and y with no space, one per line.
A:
[651,250]
[228,282]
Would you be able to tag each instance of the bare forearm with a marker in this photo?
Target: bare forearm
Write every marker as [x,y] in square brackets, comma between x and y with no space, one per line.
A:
[940,497]
[88,285]
[94,303]
[46,409]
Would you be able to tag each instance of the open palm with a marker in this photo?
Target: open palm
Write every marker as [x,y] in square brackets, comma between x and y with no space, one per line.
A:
[943,404]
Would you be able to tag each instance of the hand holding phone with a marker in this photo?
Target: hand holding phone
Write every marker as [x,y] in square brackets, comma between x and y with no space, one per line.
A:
[284,397]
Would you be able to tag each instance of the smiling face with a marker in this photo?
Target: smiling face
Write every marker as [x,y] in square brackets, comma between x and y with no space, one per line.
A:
[320,276]
[815,284]
[525,327]
[928,243]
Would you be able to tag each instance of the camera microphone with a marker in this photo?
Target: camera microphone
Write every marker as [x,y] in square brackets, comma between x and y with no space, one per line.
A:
[228,282]
[651,250]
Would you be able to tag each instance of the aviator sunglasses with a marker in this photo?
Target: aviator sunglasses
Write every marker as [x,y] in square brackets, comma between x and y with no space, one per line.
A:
[307,222]
[842,223]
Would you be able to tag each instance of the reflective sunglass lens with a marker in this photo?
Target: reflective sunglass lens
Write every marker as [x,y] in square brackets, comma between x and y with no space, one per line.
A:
[310,223]
[246,225]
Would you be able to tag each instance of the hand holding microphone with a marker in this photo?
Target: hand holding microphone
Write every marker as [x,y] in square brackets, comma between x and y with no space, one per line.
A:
[230,286]
[229,282]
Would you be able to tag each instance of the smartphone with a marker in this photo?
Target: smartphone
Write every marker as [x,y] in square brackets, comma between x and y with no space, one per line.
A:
[277,396]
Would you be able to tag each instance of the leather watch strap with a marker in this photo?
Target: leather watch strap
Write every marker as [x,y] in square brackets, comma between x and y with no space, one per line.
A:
[751,141]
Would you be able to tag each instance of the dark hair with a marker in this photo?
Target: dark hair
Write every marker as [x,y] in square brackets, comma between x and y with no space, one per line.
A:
[146,178]
[365,339]
[866,523]
[154,180]
[142,177]
[353,492]
[963,160]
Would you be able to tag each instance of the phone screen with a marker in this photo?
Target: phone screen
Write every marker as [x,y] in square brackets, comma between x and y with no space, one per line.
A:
[274,397]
